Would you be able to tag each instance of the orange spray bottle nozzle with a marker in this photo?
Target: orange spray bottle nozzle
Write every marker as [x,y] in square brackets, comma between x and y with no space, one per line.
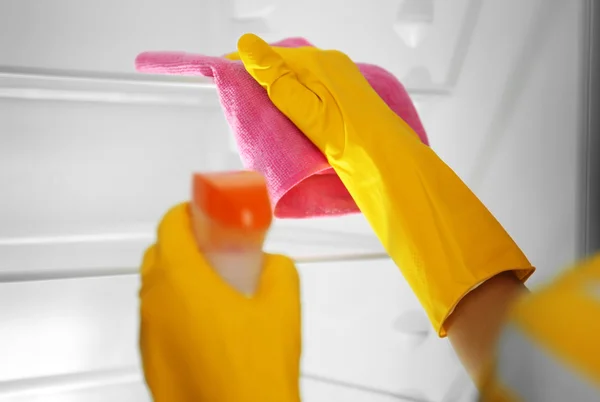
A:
[231,216]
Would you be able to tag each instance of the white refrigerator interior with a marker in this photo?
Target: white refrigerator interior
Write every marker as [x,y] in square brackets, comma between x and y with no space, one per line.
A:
[92,153]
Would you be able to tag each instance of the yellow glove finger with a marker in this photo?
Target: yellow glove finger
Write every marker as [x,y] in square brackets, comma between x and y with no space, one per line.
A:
[261,61]
[233,56]
[294,97]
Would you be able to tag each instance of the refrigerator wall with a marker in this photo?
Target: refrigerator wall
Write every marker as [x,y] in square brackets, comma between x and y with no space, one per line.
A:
[92,154]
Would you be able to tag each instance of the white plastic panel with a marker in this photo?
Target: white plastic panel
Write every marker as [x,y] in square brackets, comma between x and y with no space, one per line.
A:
[363,325]
[131,389]
[92,154]
[85,168]
[67,326]
[352,333]
[374,34]
[501,102]
[90,180]
[103,36]
[108,386]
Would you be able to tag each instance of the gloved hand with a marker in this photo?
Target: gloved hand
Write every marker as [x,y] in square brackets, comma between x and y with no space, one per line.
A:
[439,234]
[203,341]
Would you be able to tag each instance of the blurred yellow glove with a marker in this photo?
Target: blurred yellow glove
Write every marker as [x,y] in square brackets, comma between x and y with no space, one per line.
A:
[201,340]
[436,230]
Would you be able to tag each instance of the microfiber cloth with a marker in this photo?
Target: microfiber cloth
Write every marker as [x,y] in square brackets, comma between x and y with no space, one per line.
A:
[300,181]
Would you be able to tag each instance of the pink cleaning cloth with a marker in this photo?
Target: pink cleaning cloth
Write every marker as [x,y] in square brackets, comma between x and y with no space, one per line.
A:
[300,181]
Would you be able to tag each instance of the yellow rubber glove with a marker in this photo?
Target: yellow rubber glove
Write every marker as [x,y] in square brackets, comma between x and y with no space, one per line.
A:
[201,340]
[435,229]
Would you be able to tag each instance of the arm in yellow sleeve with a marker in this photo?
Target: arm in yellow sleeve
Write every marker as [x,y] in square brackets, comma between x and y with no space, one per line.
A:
[443,239]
